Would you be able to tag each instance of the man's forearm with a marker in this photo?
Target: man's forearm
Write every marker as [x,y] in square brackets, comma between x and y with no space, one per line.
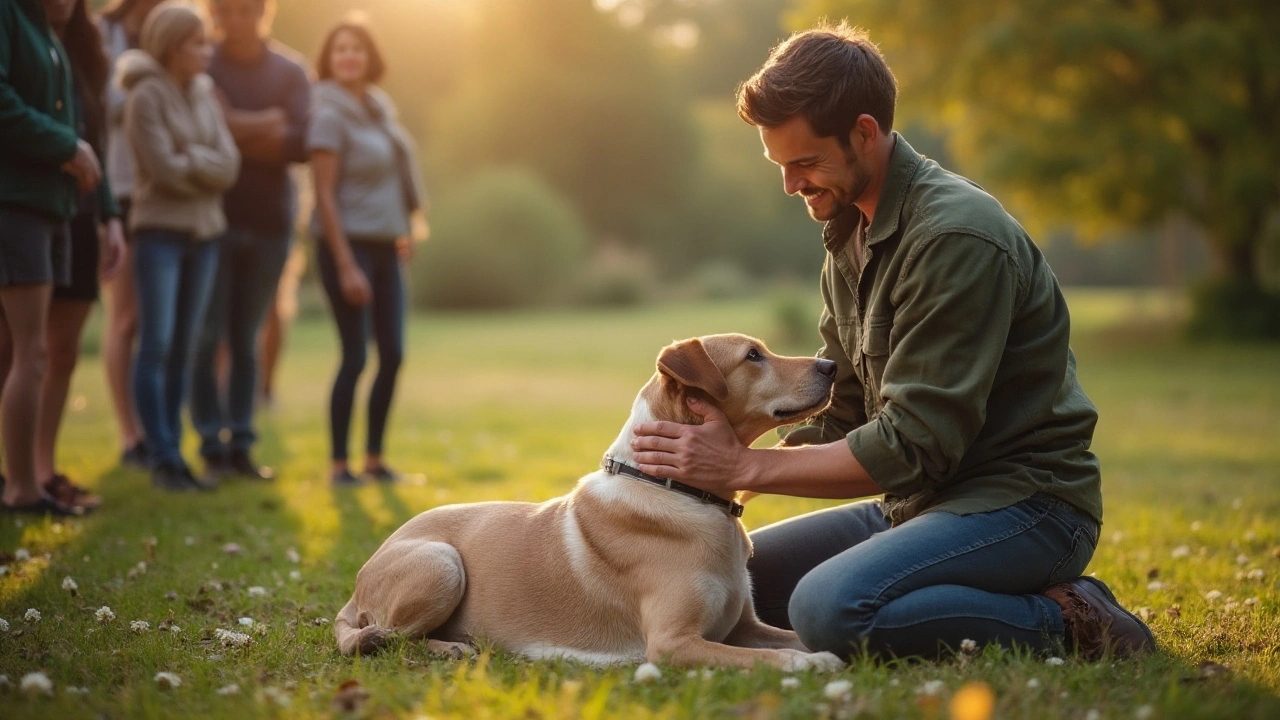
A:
[817,471]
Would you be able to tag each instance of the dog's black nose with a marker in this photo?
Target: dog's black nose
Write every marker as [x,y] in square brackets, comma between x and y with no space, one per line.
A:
[827,367]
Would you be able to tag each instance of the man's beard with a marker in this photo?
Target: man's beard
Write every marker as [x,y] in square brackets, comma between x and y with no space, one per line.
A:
[843,197]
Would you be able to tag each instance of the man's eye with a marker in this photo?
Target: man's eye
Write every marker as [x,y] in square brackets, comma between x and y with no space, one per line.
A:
[754,355]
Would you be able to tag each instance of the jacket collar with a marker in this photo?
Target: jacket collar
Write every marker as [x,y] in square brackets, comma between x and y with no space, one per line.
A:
[904,161]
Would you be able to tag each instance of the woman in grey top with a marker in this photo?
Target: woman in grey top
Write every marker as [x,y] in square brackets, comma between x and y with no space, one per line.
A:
[366,189]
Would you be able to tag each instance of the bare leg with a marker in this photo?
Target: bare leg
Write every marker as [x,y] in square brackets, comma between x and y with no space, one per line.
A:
[66,321]
[117,349]
[25,316]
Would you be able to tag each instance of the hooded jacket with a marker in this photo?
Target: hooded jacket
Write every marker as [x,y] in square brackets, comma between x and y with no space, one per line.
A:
[378,183]
[185,158]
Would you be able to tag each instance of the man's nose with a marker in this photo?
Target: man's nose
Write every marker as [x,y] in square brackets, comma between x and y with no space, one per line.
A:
[792,181]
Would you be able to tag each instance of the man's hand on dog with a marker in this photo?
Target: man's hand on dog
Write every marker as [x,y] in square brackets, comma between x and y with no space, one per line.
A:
[708,456]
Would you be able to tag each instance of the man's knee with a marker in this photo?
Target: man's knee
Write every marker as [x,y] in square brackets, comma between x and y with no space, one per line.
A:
[831,614]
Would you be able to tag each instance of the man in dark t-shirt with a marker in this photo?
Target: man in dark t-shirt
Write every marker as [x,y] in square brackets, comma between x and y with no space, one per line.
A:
[266,96]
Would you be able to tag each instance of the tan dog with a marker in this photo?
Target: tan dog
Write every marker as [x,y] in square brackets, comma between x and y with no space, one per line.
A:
[619,569]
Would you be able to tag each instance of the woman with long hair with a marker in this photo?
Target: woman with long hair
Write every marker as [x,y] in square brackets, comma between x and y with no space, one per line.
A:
[185,159]
[366,189]
[46,167]
[121,26]
[97,244]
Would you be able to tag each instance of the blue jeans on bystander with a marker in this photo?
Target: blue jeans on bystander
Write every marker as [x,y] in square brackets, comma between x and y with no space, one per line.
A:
[175,274]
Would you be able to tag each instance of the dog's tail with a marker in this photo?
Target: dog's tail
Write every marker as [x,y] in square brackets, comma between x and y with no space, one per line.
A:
[356,631]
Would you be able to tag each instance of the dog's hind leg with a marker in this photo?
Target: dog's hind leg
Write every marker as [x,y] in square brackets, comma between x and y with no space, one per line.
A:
[409,588]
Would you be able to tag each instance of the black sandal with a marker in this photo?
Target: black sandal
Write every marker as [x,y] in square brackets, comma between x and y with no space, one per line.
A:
[46,505]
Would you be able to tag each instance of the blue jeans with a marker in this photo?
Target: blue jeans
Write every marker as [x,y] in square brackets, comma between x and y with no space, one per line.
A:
[248,273]
[174,274]
[385,316]
[844,579]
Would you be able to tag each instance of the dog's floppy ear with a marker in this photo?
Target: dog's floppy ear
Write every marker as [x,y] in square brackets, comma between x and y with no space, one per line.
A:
[688,363]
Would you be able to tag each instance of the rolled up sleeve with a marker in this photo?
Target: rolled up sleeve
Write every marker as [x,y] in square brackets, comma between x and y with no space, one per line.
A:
[954,305]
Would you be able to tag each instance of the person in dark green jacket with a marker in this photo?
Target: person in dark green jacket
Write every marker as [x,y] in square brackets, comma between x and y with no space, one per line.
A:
[955,398]
[44,166]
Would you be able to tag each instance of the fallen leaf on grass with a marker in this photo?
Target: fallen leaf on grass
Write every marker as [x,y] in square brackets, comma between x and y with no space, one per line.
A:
[1174,612]
[350,697]
[1153,573]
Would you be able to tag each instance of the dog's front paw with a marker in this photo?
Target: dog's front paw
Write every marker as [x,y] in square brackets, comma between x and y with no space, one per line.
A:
[821,661]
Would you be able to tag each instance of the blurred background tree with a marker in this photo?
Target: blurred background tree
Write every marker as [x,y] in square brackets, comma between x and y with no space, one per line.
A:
[1105,114]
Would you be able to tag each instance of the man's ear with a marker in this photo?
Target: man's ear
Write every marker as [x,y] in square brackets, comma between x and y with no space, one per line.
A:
[688,363]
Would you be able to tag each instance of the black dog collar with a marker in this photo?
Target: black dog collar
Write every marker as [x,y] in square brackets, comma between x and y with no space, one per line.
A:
[616,467]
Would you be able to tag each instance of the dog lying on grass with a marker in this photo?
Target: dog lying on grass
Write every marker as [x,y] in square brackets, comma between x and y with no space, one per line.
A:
[623,568]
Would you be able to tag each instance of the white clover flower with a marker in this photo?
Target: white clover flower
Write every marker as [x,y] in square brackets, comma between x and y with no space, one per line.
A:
[36,682]
[292,555]
[1196,525]
[1250,536]
[32,615]
[1237,503]
[73,690]
[837,689]
[4,625]
[295,575]
[790,683]
[231,639]
[1146,712]
[1117,537]
[1181,551]
[69,585]
[1055,661]
[257,591]
[232,689]
[1093,715]
[231,548]
[1256,574]
[692,674]
[1144,614]
[4,570]
[1033,684]
[188,540]
[276,696]
[1252,601]
[21,555]
[246,621]
[647,672]
[1242,559]
[175,628]
[139,626]
[1213,595]
[968,647]
[932,687]
[168,680]
[5,683]
[1155,586]
[320,621]
[104,614]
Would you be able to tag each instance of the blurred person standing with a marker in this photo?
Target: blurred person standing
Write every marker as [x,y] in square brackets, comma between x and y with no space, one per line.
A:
[366,190]
[266,97]
[44,166]
[121,26]
[185,159]
[97,244]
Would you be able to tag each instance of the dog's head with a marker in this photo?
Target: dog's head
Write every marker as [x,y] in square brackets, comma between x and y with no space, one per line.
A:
[754,388]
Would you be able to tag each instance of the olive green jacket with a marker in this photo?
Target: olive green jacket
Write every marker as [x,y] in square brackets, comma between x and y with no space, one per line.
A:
[956,388]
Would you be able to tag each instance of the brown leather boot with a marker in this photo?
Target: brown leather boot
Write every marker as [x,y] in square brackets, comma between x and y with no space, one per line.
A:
[1096,623]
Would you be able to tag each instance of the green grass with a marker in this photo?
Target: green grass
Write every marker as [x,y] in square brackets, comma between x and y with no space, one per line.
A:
[517,407]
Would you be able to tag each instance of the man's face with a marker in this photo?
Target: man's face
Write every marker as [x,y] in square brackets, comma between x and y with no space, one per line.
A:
[239,20]
[830,176]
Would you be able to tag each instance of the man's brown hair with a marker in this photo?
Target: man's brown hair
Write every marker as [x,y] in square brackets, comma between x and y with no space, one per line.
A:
[830,75]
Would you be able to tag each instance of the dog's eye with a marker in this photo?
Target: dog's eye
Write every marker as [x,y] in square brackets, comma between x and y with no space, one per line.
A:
[754,355]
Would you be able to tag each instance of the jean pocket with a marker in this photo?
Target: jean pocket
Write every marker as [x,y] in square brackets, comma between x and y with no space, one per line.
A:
[1076,559]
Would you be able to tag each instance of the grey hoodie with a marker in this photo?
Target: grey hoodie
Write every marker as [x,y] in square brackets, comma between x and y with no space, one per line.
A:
[378,184]
[184,155]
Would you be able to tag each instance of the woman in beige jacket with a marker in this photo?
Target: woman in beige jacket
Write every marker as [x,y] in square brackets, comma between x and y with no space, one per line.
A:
[185,160]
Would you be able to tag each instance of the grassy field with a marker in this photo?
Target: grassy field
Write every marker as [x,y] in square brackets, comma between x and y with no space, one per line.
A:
[517,407]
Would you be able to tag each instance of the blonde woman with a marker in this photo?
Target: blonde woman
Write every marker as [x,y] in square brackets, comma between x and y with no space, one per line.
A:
[185,159]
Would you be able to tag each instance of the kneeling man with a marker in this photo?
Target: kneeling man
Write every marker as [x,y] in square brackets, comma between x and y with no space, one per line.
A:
[956,398]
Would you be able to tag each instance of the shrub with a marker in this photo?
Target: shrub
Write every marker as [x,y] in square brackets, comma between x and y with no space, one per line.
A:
[503,239]
[1227,310]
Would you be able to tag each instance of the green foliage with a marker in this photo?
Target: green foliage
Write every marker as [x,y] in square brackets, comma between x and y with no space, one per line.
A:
[1229,310]
[503,239]
[1101,113]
